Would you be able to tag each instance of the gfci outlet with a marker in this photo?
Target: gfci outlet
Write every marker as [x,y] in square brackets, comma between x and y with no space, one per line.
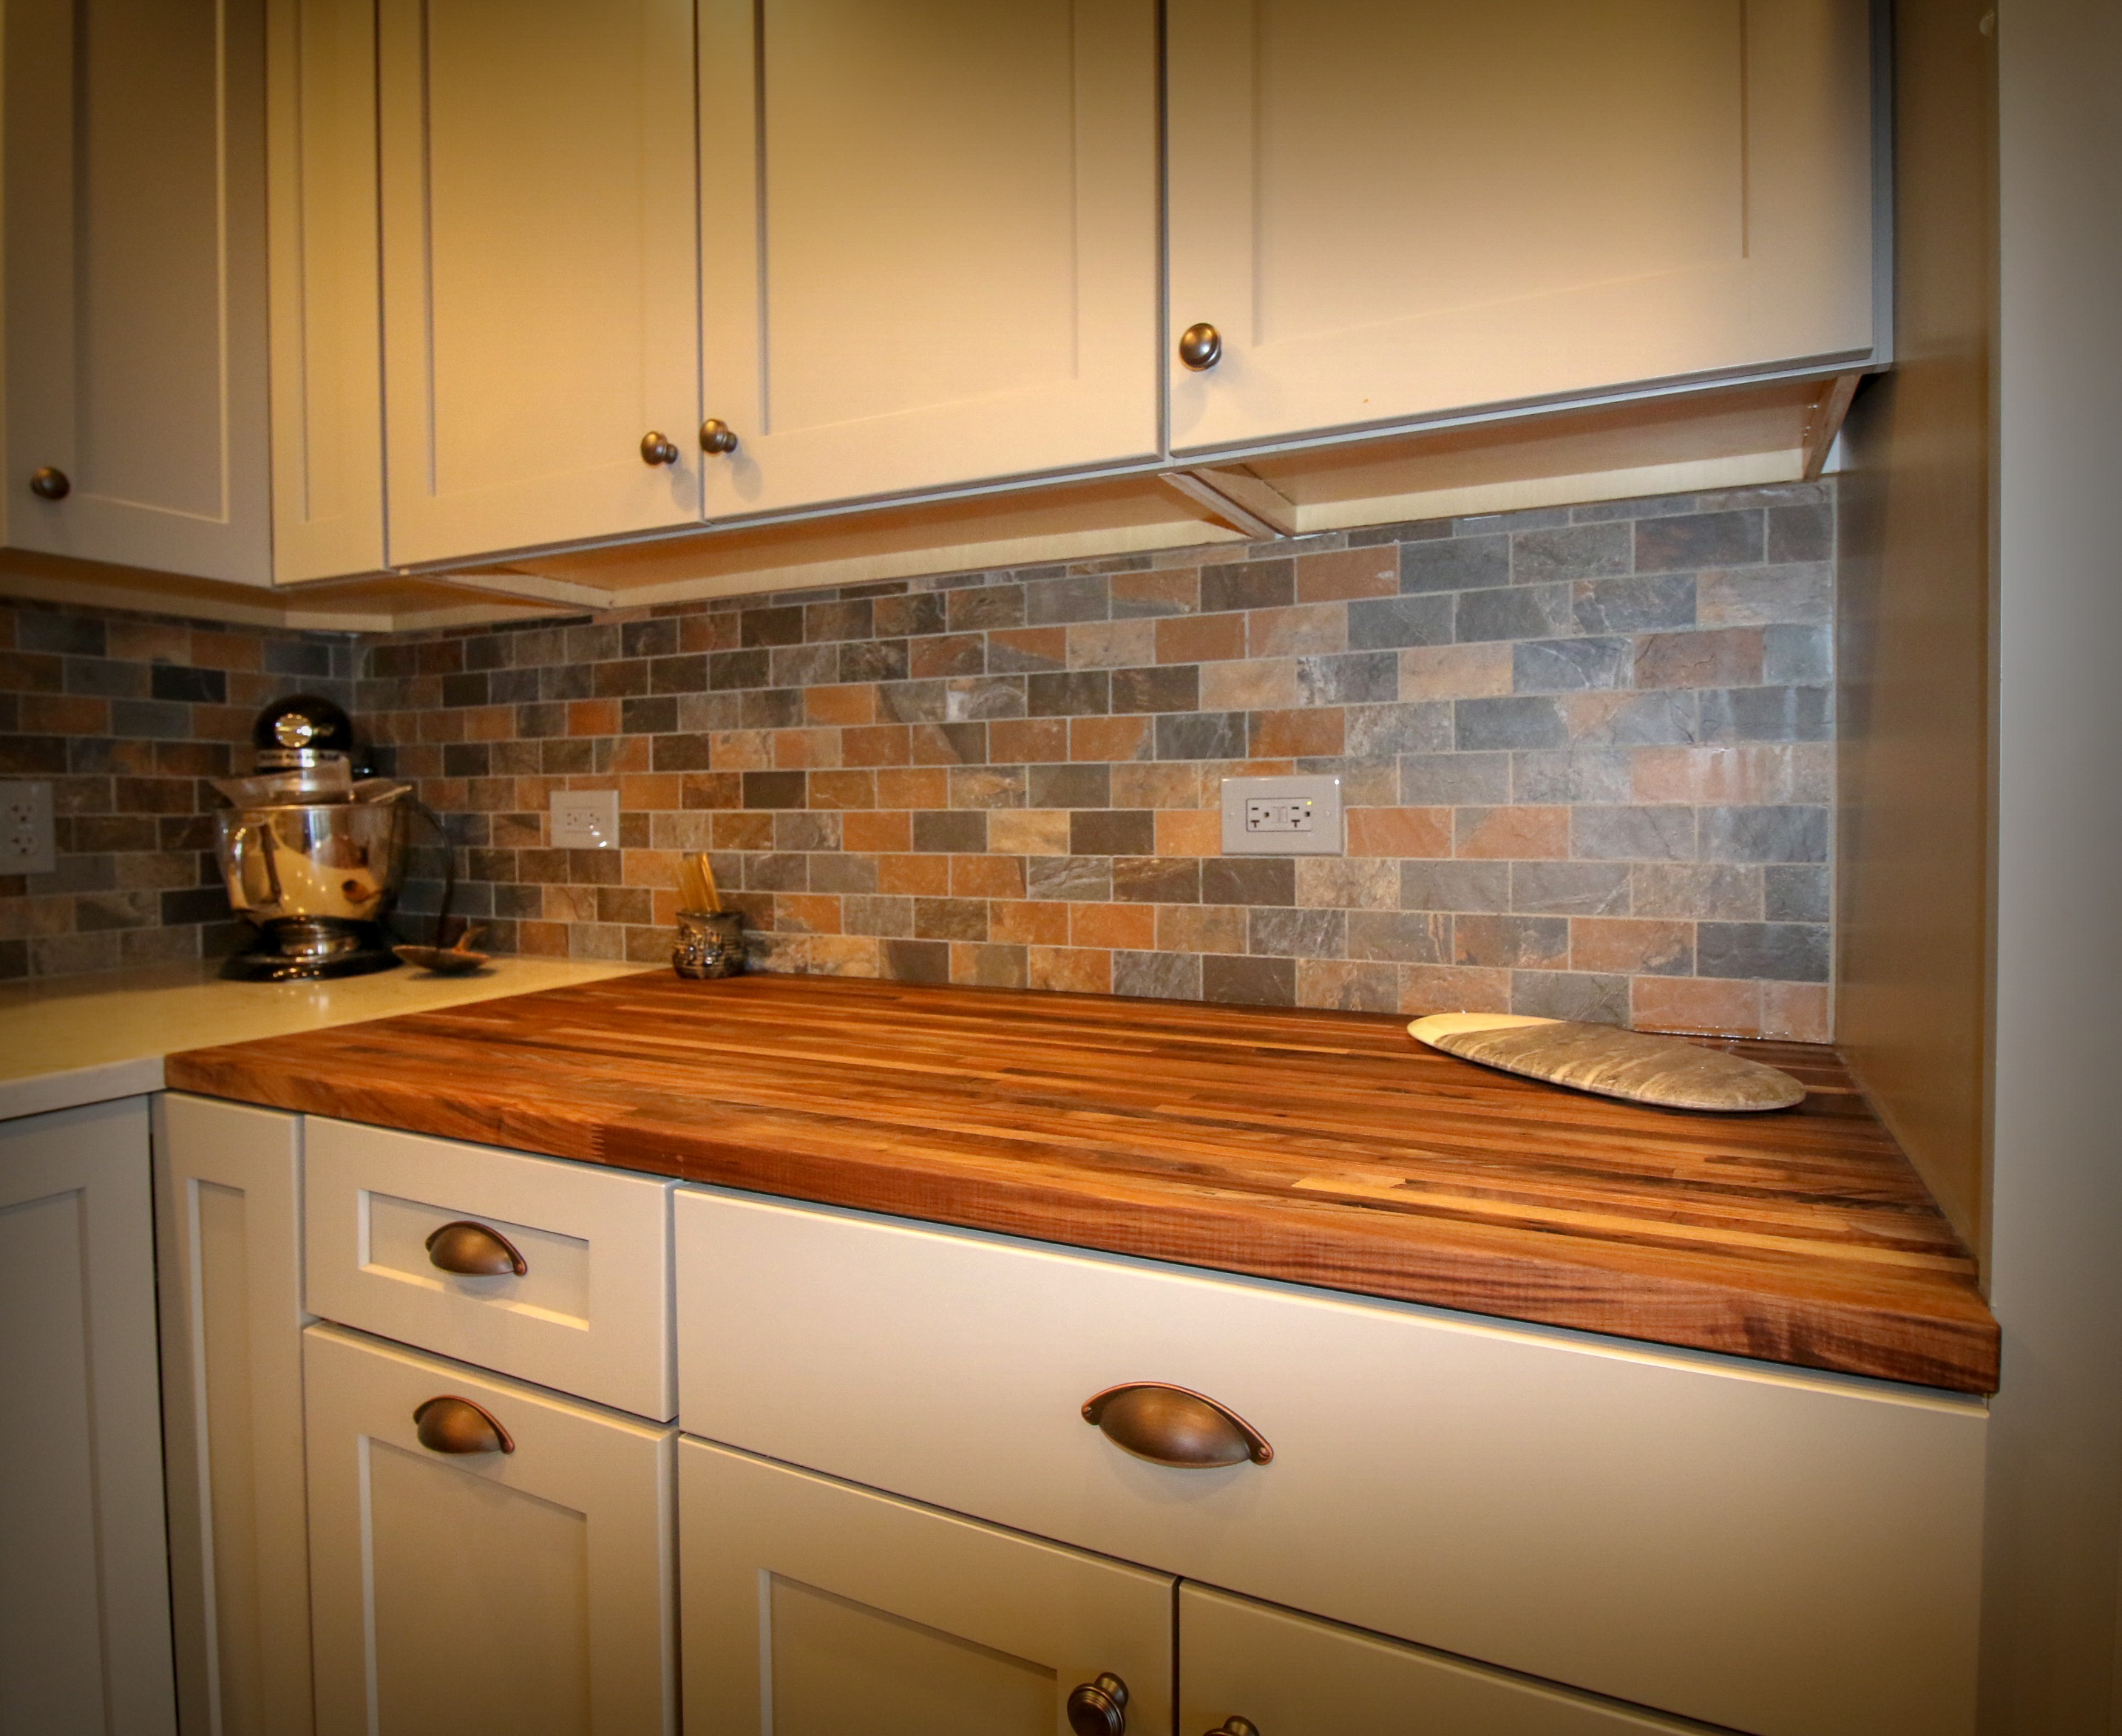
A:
[1282,816]
[586,819]
[25,829]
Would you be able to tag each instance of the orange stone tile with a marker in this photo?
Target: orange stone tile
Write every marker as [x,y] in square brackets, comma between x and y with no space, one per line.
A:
[1453,988]
[1072,970]
[666,907]
[1348,572]
[841,703]
[987,877]
[936,745]
[1630,945]
[795,750]
[1303,631]
[593,716]
[1714,1006]
[490,723]
[1399,831]
[63,715]
[922,876]
[1109,738]
[876,744]
[1188,831]
[926,786]
[1127,925]
[740,829]
[1200,639]
[1352,988]
[1261,684]
[841,789]
[1029,832]
[987,965]
[946,654]
[648,867]
[702,789]
[1200,927]
[1513,833]
[644,792]
[742,750]
[1454,672]
[1034,921]
[1010,650]
[880,830]
[709,631]
[542,939]
[1721,657]
[1166,591]
[1297,734]
[633,753]
[1798,1013]
[569,903]
[842,955]
[1028,740]
[807,913]
[1739,775]
[1160,784]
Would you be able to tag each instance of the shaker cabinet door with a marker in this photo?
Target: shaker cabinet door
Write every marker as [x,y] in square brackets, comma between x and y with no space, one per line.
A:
[1393,210]
[539,271]
[1289,1675]
[813,1607]
[136,345]
[931,237]
[457,1586]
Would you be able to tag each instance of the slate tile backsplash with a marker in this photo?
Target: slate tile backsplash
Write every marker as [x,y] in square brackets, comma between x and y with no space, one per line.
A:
[1587,758]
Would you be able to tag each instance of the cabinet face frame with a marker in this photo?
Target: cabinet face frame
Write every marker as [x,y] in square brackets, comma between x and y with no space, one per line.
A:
[615,1473]
[193,186]
[229,1232]
[1108,414]
[751,1527]
[1800,294]
[432,518]
[83,1415]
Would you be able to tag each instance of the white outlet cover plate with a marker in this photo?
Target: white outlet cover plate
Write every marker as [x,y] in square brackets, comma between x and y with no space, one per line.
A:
[26,841]
[1323,837]
[585,819]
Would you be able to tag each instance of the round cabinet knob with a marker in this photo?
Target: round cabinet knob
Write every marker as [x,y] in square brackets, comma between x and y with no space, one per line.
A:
[1200,347]
[1099,1708]
[1235,1727]
[48,483]
[475,1250]
[448,1424]
[655,449]
[717,437]
[1169,1425]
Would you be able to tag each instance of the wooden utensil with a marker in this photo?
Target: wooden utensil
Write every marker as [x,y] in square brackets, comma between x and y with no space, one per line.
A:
[1608,1062]
[696,882]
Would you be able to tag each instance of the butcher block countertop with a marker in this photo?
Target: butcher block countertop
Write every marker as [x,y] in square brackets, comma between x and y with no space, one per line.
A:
[1326,1148]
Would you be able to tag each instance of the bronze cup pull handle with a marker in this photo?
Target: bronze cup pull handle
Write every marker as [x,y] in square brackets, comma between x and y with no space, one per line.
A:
[475,1251]
[1235,1726]
[448,1424]
[1099,1708]
[1169,1425]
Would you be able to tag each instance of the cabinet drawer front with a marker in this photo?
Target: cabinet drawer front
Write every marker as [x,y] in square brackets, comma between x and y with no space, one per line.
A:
[804,1597]
[535,1585]
[591,1314]
[1785,1554]
[1296,1677]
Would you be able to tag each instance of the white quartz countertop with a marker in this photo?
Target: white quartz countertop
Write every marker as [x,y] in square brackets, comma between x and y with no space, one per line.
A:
[79,1040]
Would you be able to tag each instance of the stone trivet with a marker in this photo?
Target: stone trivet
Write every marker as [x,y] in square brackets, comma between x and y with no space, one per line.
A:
[1613,1063]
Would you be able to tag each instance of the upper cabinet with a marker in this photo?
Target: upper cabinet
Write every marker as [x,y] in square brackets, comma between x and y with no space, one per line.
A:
[1395,209]
[930,232]
[540,272]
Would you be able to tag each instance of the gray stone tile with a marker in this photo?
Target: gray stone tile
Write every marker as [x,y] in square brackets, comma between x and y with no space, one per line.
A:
[980,607]
[874,914]
[1270,880]
[1400,936]
[1513,723]
[1455,779]
[1253,584]
[1768,834]
[1778,951]
[1797,656]
[1348,988]
[1632,834]
[1055,601]
[1767,714]
[1348,882]
[840,873]
[1160,687]
[1579,551]
[1698,891]
[1364,782]
[1295,932]
[1157,879]
[1260,982]
[1646,603]
[1157,975]
[1524,518]
[1570,665]
[1594,774]
[911,702]
[1077,693]
[1201,735]
[1695,541]
[975,698]
[1085,785]
[1590,996]
[1075,878]
[1646,506]
[1457,563]
[1385,731]
[1570,888]
[1517,942]
[1514,612]
[1381,623]
[1801,532]
[1349,678]
[1765,596]
[1792,892]
[1666,719]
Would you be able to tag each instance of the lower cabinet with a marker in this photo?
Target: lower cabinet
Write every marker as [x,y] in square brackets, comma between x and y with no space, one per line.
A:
[816,1608]
[483,1553]
[84,1582]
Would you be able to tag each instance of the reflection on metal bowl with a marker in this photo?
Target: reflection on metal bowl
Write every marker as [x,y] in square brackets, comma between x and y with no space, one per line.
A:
[332,859]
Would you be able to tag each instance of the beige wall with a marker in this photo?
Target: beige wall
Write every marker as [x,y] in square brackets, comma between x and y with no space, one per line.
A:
[1912,899]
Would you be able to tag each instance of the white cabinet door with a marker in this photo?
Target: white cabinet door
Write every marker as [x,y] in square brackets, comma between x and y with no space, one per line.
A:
[84,1586]
[541,270]
[1394,208]
[528,1590]
[1289,1675]
[930,232]
[816,1608]
[228,1224]
[136,345]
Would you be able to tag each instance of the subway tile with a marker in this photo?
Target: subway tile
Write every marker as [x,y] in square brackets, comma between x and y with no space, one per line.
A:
[1588,998]
[1632,834]
[1570,665]
[1202,735]
[1654,604]
[1157,879]
[1386,623]
[1056,602]
[1797,595]
[1766,834]
[1257,584]
[1787,951]
[1266,982]
[1111,832]
[1570,888]
[1249,880]
[1513,723]
[1543,555]
[1400,937]
[1767,714]
[1076,693]
[1157,975]
[1510,942]
[1295,932]
[1454,779]
[1692,541]
[1587,775]
[1455,563]
[1795,892]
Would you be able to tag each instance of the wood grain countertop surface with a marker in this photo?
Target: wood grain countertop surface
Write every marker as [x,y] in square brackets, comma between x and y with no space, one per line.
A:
[1326,1148]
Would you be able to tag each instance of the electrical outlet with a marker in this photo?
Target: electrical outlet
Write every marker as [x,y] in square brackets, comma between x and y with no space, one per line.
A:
[25,829]
[586,819]
[1282,816]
